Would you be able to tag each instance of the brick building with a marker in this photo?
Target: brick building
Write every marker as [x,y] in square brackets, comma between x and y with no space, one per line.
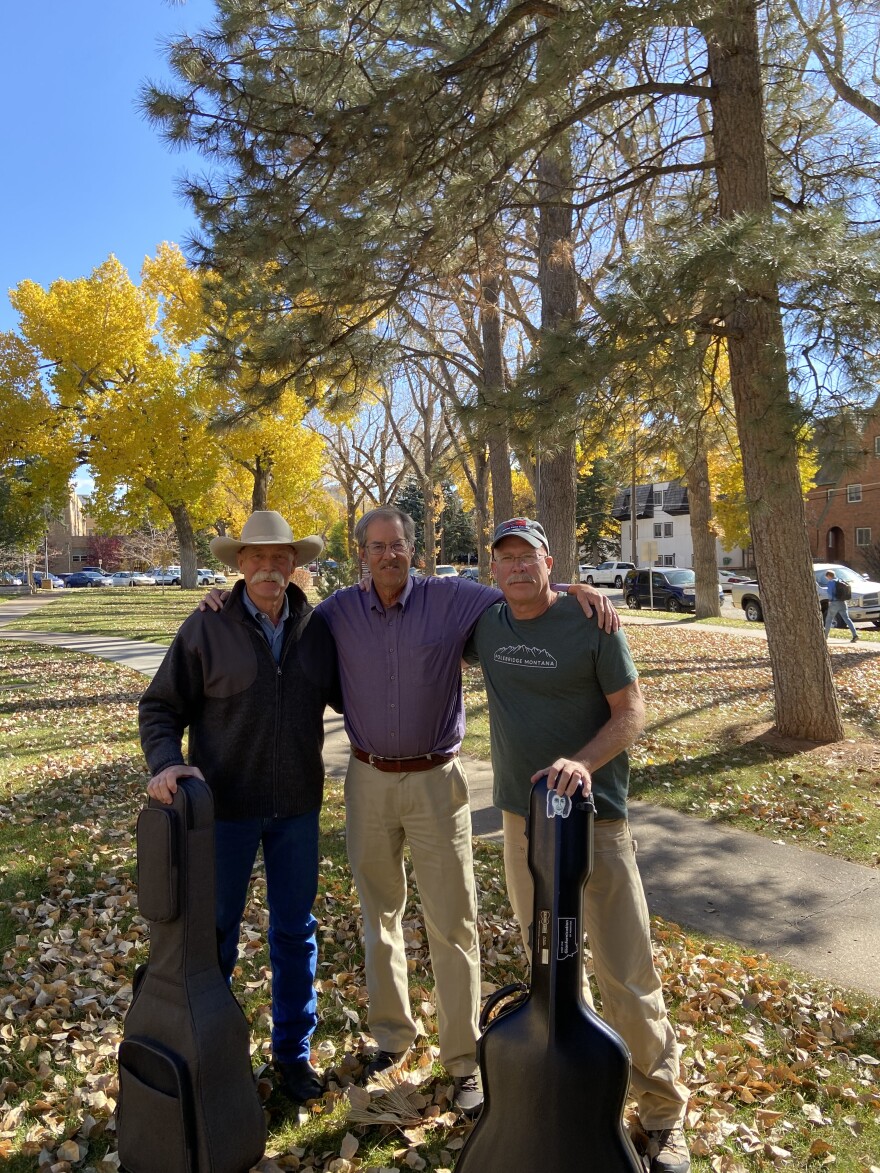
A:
[68,537]
[843,509]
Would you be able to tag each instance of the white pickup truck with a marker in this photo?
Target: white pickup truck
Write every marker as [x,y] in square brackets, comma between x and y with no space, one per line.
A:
[864,606]
[607,574]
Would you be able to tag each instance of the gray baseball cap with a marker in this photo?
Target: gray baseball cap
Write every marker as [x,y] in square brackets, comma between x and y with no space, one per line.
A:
[521,527]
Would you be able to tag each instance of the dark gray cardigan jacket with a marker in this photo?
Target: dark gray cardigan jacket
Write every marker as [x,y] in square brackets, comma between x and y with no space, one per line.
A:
[255,727]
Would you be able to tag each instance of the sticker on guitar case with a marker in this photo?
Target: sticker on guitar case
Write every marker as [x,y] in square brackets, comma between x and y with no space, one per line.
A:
[558,805]
[566,947]
[544,936]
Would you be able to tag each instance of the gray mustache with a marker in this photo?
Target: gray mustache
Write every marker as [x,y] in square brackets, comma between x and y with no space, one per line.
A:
[269,576]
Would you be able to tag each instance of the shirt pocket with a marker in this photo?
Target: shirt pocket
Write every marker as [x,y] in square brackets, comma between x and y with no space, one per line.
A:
[422,666]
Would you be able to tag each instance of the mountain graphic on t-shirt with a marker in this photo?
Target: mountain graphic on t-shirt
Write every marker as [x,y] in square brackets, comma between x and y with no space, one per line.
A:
[525,656]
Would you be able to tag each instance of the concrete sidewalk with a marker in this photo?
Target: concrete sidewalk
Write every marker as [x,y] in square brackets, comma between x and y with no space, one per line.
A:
[818,914]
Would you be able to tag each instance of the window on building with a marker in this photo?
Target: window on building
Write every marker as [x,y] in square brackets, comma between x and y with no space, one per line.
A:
[863,535]
[658,529]
[668,559]
[877,445]
[667,529]
[660,498]
[853,493]
[829,494]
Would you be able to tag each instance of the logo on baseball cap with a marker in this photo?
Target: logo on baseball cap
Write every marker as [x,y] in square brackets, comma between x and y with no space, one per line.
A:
[521,527]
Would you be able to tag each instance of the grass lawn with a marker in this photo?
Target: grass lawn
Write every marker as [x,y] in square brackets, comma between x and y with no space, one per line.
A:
[783,1070]
[152,614]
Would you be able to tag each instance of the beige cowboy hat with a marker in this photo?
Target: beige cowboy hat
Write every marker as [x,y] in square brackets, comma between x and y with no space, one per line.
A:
[266,528]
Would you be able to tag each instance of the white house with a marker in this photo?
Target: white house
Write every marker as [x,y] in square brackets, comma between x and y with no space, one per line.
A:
[663,528]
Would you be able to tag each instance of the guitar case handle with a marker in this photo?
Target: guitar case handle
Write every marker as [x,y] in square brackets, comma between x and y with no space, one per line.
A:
[508,991]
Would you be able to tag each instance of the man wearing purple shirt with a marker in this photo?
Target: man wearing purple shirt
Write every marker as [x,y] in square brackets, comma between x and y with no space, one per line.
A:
[400,645]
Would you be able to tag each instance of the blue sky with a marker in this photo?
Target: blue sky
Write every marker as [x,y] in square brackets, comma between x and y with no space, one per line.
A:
[84,174]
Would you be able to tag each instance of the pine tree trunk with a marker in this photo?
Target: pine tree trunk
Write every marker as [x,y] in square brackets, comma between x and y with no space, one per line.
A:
[703,537]
[483,532]
[493,395]
[806,702]
[556,477]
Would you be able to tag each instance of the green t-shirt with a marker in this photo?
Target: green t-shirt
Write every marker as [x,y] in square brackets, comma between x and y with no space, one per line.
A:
[546,681]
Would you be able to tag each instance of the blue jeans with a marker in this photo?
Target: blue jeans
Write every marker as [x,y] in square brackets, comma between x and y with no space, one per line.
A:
[838,607]
[290,853]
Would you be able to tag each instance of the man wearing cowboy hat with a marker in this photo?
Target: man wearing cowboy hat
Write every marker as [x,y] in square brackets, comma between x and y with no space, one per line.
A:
[251,689]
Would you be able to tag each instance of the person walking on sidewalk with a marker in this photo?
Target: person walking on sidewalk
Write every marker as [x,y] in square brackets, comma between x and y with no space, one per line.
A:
[564,701]
[251,685]
[838,595]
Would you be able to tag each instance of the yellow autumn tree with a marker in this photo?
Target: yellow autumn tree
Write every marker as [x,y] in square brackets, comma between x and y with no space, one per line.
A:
[37,454]
[271,459]
[141,411]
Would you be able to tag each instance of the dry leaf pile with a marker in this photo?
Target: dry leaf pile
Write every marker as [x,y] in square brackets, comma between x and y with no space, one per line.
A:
[783,1073]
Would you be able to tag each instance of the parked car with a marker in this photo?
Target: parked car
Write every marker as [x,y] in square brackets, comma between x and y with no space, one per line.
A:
[671,588]
[470,572]
[80,578]
[7,579]
[445,571]
[609,573]
[97,578]
[728,577]
[132,578]
[166,575]
[39,575]
[584,571]
[205,577]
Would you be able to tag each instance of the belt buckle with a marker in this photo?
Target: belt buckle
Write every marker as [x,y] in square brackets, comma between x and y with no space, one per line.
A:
[370,761]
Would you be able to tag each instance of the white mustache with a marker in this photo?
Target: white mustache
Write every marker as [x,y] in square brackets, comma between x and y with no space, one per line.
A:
[269,576]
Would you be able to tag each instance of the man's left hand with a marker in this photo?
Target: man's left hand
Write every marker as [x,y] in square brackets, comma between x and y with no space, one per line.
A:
[591,599]
[566,776]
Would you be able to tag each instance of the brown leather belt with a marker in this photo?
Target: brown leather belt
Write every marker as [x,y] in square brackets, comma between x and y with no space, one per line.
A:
[403,765]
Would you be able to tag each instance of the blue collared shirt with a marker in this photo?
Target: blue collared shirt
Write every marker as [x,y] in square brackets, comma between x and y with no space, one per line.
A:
[274,635]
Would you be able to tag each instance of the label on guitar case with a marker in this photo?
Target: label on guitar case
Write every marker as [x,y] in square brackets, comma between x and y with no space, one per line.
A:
[567,938]
[544,936]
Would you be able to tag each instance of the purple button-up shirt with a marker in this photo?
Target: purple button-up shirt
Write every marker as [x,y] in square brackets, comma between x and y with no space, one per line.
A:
[400,667]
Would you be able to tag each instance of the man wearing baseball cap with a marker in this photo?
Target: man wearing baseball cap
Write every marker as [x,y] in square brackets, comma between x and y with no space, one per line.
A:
[564,702]
[251,685]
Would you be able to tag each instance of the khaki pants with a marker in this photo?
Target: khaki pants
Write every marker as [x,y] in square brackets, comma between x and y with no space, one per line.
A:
[618,928]
[429,811]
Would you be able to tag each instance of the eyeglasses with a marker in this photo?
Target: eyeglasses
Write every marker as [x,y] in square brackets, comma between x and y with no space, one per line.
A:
[376,549]
[509,560]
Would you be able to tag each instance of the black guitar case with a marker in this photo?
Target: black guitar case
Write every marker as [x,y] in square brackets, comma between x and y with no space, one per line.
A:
[555,1076]
[187,1098]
